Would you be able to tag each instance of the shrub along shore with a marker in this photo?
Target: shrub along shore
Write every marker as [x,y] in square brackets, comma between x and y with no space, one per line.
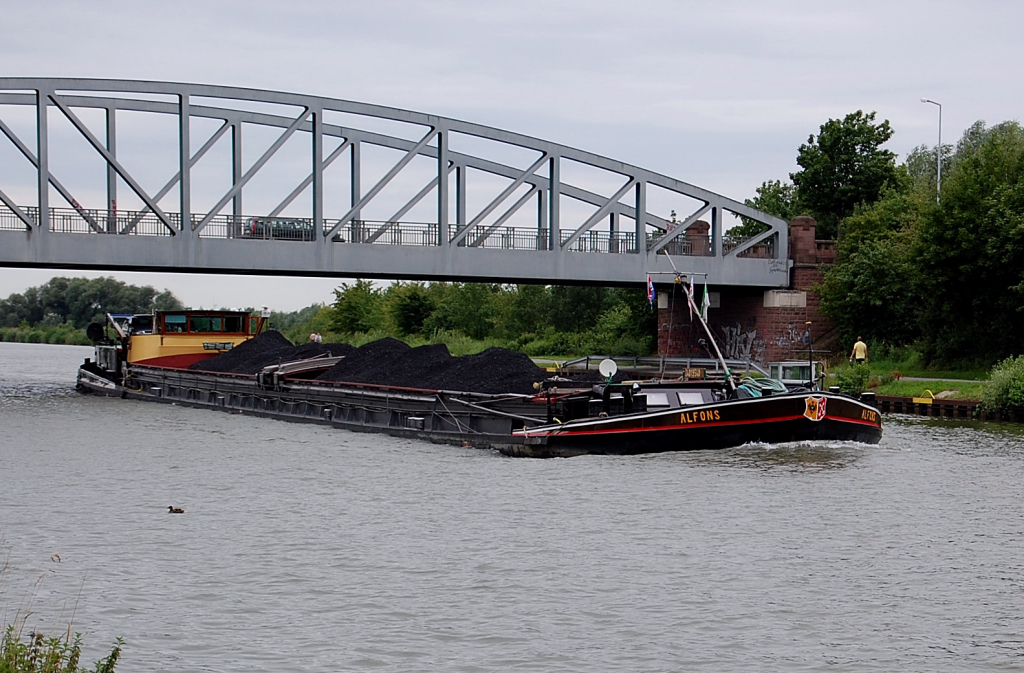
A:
[45,334]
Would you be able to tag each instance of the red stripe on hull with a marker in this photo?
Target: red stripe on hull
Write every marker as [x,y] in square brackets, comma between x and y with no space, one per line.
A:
[684,426]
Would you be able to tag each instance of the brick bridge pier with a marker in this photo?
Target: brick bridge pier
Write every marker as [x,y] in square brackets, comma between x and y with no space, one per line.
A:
[749,323]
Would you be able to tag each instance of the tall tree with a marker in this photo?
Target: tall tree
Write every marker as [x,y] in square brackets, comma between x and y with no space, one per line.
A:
[970,251]
[522,309]
[774,197]
[576,308]
[409,306]
[357,308]
[463,307]
[843,166]
[777,198]
[873,292]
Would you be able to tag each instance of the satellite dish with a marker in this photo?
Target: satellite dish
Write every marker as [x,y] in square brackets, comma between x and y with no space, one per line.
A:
[607,367]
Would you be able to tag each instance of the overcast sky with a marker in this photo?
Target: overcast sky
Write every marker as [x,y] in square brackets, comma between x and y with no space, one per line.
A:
[719,94]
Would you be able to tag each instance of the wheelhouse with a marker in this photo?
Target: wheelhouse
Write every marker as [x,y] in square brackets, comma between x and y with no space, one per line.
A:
[181,338]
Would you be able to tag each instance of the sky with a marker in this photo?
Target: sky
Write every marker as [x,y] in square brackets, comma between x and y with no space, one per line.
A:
[719,94]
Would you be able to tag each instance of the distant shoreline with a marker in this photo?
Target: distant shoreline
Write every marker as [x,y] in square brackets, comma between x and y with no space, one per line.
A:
[64,335]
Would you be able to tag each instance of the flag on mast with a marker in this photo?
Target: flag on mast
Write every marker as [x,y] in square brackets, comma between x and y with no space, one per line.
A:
[650,292]
[689,297]
[705,303]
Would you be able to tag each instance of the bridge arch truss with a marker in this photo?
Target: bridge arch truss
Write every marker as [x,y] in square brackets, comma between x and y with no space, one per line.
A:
[611,236]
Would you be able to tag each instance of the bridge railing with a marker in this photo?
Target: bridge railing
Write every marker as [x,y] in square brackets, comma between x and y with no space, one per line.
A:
[9,221]
[602,241]
[370,232]
[763,250]
[93,221]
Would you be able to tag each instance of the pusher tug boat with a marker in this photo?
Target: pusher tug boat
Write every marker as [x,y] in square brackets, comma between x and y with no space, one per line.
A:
[164,339]
[699,415]
[150,355]
[704,415]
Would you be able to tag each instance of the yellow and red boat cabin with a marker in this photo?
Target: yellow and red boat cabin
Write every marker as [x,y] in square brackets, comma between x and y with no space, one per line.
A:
[178,339]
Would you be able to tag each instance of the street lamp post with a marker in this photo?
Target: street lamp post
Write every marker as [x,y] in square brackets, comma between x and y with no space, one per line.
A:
[938,154]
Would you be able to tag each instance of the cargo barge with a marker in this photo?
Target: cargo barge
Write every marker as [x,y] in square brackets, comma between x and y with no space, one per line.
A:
[561,417]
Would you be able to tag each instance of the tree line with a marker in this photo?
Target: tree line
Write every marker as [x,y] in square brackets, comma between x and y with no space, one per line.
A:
[540,320]
[79,301]
[940,271]
[536,319]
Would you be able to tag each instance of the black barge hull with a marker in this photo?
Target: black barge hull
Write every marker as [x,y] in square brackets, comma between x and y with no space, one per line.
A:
[514,425]
[790,417]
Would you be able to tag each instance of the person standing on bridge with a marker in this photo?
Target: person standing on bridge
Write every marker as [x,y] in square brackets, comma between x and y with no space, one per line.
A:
[859,352]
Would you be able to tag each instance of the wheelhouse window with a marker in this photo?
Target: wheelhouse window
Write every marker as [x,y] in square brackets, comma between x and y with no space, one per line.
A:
[142,324]
[175,323]
[205,323]
[233,324]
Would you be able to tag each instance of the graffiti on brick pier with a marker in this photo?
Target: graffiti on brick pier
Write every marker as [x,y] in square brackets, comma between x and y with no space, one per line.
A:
[791,336]
[741,344]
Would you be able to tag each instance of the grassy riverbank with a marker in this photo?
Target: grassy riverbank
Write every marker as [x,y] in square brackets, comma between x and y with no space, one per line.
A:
[961,390]
[908,362]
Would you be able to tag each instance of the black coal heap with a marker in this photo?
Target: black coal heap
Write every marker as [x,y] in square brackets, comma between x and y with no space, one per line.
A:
[389,362]
[268,348]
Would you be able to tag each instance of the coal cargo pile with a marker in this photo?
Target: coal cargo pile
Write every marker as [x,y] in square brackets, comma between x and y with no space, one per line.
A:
[413,369]
[244,353]
[312,350]
[389,362]
[495,371]
[291,354]
[366,361]
[253,355]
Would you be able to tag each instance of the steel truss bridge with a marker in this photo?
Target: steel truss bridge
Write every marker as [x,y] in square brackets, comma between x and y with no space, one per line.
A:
[608,236]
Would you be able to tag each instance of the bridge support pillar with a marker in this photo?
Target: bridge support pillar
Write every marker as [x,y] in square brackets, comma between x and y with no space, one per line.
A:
[750,323]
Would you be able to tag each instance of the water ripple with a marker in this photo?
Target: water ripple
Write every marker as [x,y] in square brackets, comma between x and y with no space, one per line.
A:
[308,548]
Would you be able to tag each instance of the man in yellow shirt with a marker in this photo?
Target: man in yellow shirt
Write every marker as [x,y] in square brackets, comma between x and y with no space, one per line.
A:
[859,352]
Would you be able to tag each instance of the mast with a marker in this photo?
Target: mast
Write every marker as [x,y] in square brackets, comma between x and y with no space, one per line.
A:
[711,338]
[693,308]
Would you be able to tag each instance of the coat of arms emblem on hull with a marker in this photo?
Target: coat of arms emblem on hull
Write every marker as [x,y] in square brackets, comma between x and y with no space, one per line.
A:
[815,409]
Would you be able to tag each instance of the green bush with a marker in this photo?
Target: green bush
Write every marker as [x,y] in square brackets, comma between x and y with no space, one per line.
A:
[40,334]
[553,343]
[1005,386]
[852,379]
[77,338]
[41,654]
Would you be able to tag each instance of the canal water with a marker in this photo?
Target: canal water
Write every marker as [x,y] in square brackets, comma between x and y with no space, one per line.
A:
[310,549]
